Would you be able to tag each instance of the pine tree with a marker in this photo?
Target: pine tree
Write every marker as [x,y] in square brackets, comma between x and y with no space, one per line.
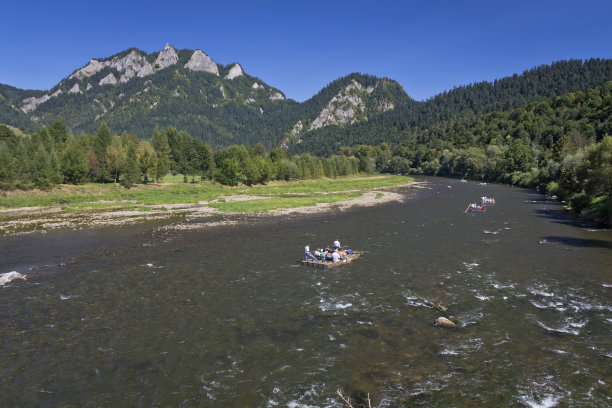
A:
[74,163]
[160,169]
[58,131]
[101,142]
[44,170]
[159,141]
[132,172]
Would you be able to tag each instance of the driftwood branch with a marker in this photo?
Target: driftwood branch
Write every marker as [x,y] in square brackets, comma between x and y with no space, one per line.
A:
[438,306]
[347,400]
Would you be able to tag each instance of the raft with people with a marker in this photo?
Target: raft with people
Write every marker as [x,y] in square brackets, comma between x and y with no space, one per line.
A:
[328,263]
[329,257]
[473,207]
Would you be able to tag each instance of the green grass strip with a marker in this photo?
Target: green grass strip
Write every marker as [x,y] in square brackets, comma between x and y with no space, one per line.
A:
[186,193]
[267,204]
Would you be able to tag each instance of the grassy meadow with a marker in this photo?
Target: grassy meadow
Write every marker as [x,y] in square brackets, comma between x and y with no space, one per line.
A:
[172,190]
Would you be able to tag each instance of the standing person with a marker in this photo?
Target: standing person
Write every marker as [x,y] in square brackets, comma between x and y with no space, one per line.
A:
[307,253]
[337,244]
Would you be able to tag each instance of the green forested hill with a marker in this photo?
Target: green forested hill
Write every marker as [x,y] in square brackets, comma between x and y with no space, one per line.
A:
[208,106]
[193,102]
[9,113]
[396,125]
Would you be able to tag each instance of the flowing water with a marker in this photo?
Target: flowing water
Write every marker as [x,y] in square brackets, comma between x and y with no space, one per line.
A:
[225,317]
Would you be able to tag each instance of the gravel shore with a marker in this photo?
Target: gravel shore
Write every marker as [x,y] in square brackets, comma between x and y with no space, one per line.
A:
[42,219]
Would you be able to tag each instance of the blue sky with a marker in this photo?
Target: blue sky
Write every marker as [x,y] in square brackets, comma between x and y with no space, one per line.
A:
[301,46]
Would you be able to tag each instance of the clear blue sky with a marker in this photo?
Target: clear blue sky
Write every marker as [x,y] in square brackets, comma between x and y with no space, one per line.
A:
[301,46]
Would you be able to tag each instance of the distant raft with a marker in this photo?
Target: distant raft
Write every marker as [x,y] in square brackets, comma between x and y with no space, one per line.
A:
[487,200]
[330,264]
[475,208]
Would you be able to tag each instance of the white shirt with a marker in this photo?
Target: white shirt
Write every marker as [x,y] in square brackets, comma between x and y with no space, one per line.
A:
[335,257]
[337,243]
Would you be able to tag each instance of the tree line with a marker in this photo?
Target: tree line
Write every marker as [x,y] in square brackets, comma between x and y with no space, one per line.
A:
[52,156]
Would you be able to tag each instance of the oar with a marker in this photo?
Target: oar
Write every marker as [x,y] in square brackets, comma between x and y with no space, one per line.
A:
[468,207]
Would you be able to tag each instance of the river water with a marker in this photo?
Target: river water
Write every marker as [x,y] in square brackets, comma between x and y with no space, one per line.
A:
[225,317]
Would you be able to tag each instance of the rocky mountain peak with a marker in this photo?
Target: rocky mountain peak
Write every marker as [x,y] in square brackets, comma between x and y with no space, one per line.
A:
[348,106]
[93,67]
[343,108]
[167,57]
[199,61]
[133,64]
[234,72]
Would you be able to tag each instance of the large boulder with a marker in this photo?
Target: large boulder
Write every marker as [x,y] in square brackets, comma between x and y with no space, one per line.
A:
[444,322]
[10,277]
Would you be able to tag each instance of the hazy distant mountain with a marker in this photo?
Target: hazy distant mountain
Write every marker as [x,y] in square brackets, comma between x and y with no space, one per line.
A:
[135,92]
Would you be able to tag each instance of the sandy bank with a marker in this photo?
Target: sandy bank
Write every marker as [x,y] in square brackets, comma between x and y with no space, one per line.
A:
[42,219]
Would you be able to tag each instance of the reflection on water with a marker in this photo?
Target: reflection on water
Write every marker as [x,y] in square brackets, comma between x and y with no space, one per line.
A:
[227,318]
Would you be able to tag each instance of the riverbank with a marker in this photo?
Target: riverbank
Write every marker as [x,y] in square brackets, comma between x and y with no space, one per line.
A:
[91,206]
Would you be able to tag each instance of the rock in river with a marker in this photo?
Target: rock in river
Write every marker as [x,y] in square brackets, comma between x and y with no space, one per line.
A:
[443,321]
[10,276]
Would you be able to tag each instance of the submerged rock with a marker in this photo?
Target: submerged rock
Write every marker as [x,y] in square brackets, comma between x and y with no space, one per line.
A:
[10,277]
[443,321]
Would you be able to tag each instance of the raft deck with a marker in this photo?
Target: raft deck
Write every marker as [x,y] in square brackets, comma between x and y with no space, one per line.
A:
[329,264]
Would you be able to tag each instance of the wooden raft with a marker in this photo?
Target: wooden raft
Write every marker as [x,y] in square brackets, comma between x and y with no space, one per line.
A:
[329,264]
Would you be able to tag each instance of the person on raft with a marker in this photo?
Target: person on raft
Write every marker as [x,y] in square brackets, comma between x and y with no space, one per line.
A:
[336,256]
[308,254]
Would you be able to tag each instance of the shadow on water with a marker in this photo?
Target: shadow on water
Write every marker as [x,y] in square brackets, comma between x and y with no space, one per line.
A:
[579,242]
[564,216]
[560,216]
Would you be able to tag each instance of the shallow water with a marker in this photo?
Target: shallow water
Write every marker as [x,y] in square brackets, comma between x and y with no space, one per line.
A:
[142,316]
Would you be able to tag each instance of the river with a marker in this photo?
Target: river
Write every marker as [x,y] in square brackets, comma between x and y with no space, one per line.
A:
[226,317]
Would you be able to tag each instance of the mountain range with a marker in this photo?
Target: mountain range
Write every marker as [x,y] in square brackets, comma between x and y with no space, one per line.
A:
[135,92]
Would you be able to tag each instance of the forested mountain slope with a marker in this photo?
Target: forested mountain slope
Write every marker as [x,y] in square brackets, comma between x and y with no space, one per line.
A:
[396,125]
[135,92]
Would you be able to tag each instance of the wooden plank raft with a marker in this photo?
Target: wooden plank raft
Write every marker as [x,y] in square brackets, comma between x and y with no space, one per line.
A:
[329,264]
